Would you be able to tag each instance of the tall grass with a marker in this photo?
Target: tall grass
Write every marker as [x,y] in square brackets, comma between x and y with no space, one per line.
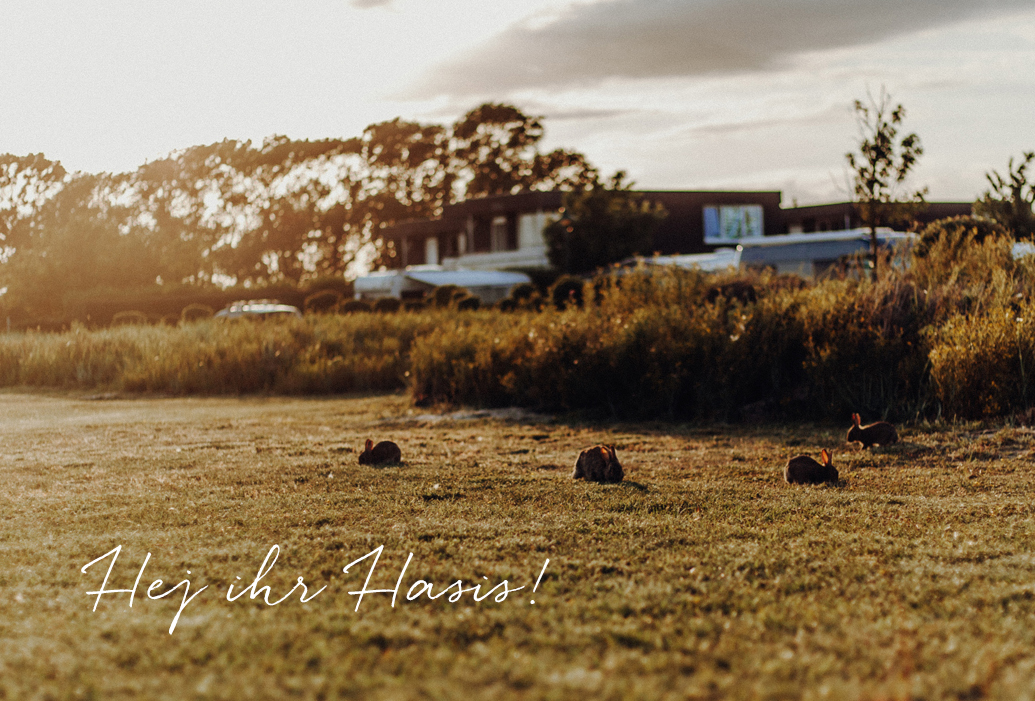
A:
[943,335]
[318,354]
[950,333]
[649,346]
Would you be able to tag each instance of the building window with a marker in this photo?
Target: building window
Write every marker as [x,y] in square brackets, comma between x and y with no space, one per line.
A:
[726,223]
[431,250]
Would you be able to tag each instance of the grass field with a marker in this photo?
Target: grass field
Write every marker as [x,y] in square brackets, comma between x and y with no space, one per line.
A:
[702,575]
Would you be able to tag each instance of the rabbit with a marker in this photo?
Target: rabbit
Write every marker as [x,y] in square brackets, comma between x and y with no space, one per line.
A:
[383,452]
[598,464]
[805,470]
[880,433]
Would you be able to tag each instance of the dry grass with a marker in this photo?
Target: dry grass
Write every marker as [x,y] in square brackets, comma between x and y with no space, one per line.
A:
[700,576]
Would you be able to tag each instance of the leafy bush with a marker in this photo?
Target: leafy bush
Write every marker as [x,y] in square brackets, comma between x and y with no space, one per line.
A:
[525,295]
[983,365]
[387,305]
[864,348]
[950,236]
[964,265]
[128,318]
[354,306]
[195,311]
[468,303]
[445,295]
[567,291]
[322,302]
[523,291]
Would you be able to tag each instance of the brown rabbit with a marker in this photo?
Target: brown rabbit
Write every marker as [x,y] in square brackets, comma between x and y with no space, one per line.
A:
[880,433]
[598,464]
[383,452]
[805,470]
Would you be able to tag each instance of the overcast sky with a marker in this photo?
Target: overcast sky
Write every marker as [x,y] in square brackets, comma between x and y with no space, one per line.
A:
[682,94]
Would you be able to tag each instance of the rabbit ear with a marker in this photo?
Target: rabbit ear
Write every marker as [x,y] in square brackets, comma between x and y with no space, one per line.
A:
[369,444]
[826,456]
[856,419]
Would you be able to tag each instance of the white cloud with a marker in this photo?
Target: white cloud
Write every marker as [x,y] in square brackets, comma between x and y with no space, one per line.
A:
[636,39]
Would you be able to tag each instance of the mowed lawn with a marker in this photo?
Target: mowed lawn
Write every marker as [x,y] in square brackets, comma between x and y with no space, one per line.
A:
[703,575]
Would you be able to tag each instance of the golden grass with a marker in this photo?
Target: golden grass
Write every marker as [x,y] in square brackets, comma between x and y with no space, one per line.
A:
[700,576]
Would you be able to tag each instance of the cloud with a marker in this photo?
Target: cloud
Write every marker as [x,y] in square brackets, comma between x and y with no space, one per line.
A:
[365,4]
[637,39]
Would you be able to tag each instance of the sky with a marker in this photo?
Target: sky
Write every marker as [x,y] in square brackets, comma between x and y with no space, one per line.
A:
[680,94]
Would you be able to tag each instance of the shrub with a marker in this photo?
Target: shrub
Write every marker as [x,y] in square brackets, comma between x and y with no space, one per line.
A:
[506,305]
[195,311]
[444,295]
[966,267]
[865,350]
[415,305]
[130,317]
[740,290]
[567,291]
[343,287]
[354,306]
[983,365]
[387,305]
[523,292]
[468,303]
[669,361]
[955,233]
[322,302]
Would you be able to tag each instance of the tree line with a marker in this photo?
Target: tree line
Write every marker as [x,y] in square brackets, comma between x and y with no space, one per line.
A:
[287,212]
[281,212]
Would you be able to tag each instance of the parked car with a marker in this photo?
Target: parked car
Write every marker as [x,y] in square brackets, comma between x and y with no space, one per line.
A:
[257,309]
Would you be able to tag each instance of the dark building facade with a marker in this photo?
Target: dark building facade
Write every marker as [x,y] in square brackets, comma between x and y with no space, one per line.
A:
[506,231]
[842,216]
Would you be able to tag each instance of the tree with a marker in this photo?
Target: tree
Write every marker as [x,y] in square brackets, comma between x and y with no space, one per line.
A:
[77,241]
[600,225]
[1011,201]
[26,183]
[881,167]
[283,211]
[494,150]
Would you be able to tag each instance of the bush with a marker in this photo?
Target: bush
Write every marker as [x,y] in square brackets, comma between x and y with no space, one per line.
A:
[387,305]
[445,295]
[468,303]
[983,365]
[739,290]
[953,234]
[322,302]
[195,311]
[415,306]
[343,287]
[506,305]
[354,306]
[964,265]
[523,292]
[567,291]
[130,317]
[865,349]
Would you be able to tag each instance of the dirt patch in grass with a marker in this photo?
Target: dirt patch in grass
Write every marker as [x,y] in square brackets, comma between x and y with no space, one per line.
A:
[702,575]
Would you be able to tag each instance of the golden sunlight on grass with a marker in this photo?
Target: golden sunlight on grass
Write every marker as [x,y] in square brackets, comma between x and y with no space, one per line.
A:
[702,575]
